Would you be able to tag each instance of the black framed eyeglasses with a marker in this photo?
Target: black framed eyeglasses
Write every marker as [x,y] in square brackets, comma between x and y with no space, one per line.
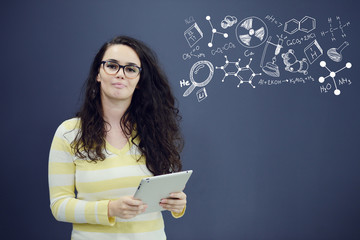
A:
[112,68]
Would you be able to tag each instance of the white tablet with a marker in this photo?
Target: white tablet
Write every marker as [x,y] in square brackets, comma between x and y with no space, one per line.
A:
[152,189]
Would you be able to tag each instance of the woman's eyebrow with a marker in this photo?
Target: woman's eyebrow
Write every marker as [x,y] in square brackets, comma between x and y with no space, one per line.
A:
[127,63]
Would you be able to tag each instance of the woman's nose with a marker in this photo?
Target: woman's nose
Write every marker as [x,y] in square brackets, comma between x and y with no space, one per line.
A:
[120,73]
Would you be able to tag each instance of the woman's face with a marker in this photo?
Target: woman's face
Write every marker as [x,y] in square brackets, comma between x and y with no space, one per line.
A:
[118,87]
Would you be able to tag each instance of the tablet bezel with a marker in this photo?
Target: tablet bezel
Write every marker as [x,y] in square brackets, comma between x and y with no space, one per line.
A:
[152,189]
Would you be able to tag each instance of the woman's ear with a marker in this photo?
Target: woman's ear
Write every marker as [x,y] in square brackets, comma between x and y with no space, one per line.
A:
[98,78]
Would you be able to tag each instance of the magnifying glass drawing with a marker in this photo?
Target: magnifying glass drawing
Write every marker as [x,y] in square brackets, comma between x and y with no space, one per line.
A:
[195,68]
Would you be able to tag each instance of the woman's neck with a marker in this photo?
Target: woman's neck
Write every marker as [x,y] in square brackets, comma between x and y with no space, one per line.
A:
[114,110]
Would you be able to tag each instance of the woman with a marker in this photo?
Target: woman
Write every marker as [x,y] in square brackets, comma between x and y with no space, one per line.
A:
[126,129]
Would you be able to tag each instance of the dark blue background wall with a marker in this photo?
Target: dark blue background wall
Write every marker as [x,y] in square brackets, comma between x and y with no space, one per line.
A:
[271,162]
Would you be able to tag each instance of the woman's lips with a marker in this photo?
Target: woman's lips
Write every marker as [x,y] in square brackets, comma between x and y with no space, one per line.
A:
[118,85]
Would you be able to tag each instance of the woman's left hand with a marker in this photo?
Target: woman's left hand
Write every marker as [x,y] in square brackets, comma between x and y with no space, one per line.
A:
[175,203]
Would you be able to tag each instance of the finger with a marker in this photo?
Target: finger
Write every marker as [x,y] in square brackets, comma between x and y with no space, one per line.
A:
[171,201]
[172,208]
[133,208]
[179,195]
[130,213]
[133,202]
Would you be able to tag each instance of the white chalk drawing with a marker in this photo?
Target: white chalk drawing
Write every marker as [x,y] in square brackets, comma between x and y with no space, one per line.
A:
[248,53]
[228,21]
[251,32]
[335,53]
[306,24]
[295,39]
[313,51]
[273,20]
[332,30]
[193,34]
[184,83]
[332,75]
[201,94]
[189,20]
[195,69]
[296,80]
[301,40]
[343,81]
[270,68]
[292,64]
[191,54]
[238,70]
[226,47]
[213,32]
[272,82]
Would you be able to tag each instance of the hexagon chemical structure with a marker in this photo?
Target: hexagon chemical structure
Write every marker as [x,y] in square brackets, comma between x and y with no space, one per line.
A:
[332,75]
[237,73]
[291,26]
[306,24]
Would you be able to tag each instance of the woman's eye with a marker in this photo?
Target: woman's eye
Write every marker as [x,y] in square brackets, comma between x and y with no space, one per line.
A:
[131,69]
[111,66]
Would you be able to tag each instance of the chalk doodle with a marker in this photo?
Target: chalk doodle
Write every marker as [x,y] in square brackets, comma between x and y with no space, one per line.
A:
[296,80]
[273,20]
[272,82]
[228,21]
[286,50]
[226,47]
[332,75]
[238,70]
[201,94]
[193,34]
[248,53]
[293,64]
[343,81]
[298,41]
[306,24]
[313,51]
[191,54]
[335,53]
[251,32]
[189,20]
[213,31]
[271,68]
[332,29]
[195,69]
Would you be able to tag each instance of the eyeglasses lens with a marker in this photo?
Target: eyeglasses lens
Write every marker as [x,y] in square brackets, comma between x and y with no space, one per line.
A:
[129,71]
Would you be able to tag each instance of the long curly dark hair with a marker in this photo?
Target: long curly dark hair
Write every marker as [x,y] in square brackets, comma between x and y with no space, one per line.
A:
[152,114]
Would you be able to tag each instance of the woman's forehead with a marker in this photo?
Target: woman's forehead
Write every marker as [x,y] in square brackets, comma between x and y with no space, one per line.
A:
[122,53]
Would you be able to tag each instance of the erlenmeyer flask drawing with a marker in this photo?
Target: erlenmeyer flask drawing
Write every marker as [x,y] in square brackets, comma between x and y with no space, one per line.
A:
[195,69]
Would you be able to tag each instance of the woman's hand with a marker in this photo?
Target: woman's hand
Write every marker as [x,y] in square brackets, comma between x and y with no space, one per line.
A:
[175,203]
[126,207]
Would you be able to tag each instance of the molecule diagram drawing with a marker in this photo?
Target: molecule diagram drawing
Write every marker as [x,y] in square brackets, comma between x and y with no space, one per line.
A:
[306,24]
[332,74]
[214,31]
[238,70]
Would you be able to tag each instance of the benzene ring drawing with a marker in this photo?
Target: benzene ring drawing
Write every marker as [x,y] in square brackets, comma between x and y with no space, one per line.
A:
[251,32]
[195,69]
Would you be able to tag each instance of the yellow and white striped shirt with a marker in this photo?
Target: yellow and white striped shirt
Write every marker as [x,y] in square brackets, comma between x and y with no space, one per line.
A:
[97,183]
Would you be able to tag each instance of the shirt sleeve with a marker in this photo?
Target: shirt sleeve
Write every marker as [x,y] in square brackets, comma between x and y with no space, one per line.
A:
[61,171]
[178,215]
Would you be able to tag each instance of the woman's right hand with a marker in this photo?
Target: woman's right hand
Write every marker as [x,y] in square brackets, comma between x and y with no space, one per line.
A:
[126,207]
